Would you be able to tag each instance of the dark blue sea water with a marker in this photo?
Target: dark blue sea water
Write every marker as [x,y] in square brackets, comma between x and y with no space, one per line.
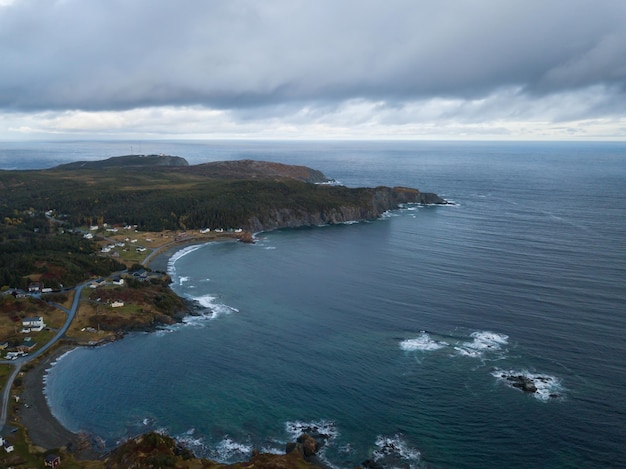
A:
[391,335]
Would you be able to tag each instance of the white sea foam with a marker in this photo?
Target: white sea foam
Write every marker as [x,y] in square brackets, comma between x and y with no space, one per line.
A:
[482,341]
[56,360]
[228,450]
[216,308]
[388,214]
[196,444]
[323,428]
[182,280]
[423,343]
[273,450]
[211,309]
[393,451]
[547,386]
[61,357]
[171,270]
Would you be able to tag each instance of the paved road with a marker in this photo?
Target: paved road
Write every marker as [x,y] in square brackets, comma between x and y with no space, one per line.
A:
[18,363]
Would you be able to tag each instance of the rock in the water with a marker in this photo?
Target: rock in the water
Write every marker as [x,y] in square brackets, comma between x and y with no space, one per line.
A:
[306,445]
[522,382]
[309,445]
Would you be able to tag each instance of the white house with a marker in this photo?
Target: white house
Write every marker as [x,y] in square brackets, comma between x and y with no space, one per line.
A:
[117,304]
[34,323]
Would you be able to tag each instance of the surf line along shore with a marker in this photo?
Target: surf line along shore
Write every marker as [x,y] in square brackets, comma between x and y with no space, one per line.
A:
[44,429]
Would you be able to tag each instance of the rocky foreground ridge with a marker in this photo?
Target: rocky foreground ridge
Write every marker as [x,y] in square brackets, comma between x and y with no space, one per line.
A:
[154,450]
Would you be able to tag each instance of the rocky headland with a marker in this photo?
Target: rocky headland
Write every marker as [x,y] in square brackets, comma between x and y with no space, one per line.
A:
[58,210]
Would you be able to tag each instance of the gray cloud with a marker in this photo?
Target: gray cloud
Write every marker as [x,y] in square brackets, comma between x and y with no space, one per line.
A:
[238,54]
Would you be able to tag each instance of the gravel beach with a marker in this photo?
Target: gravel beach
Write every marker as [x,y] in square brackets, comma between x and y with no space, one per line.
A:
[44,429]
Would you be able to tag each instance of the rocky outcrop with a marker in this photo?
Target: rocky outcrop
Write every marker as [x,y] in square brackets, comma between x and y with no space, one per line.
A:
[375,202]
[306,445]
[154,450]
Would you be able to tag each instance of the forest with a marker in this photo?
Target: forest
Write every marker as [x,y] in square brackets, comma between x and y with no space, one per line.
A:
[44,213]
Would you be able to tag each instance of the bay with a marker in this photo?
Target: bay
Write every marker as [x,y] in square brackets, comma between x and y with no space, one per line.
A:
[390,335]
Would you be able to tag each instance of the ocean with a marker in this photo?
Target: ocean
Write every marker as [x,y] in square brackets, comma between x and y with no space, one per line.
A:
[394,338]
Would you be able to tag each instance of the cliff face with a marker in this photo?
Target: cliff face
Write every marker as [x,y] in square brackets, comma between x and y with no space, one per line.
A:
[379,201]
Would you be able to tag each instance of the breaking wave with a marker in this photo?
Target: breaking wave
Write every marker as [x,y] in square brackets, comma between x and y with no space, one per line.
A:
[229,450]
[476,345]
[323,429]
[482,341]
[393,451]
[423,342]
[171,269]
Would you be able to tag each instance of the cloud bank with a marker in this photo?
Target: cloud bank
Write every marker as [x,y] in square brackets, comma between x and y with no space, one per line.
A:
[290,68]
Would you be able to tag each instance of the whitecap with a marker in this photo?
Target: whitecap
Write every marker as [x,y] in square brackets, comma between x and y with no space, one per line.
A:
[483,341]
[423,343]
[546,387]
[393,451]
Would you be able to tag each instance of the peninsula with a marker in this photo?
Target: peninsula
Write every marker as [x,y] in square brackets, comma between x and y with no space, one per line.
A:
[76,242]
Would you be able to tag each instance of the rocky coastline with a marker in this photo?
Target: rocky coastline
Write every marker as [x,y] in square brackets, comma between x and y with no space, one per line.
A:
[380,200]
[47,433]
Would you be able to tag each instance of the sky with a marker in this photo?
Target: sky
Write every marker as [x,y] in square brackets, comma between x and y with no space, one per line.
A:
[314,69]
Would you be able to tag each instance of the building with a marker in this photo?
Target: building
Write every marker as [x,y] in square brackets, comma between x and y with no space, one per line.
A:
[52,460]
[34,323]
[27,345]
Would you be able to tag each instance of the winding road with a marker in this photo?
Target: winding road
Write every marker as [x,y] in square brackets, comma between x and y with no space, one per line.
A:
[20,362]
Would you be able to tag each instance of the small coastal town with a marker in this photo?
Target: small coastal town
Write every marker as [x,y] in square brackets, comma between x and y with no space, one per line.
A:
[38,321]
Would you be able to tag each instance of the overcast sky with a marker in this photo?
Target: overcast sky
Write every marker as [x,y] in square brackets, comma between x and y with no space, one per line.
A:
[444,69]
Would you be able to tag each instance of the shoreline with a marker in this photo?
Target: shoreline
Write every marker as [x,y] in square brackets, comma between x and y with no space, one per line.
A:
[43,428]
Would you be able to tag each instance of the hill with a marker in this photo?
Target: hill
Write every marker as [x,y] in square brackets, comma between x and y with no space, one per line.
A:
[127,161]
[43,211]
